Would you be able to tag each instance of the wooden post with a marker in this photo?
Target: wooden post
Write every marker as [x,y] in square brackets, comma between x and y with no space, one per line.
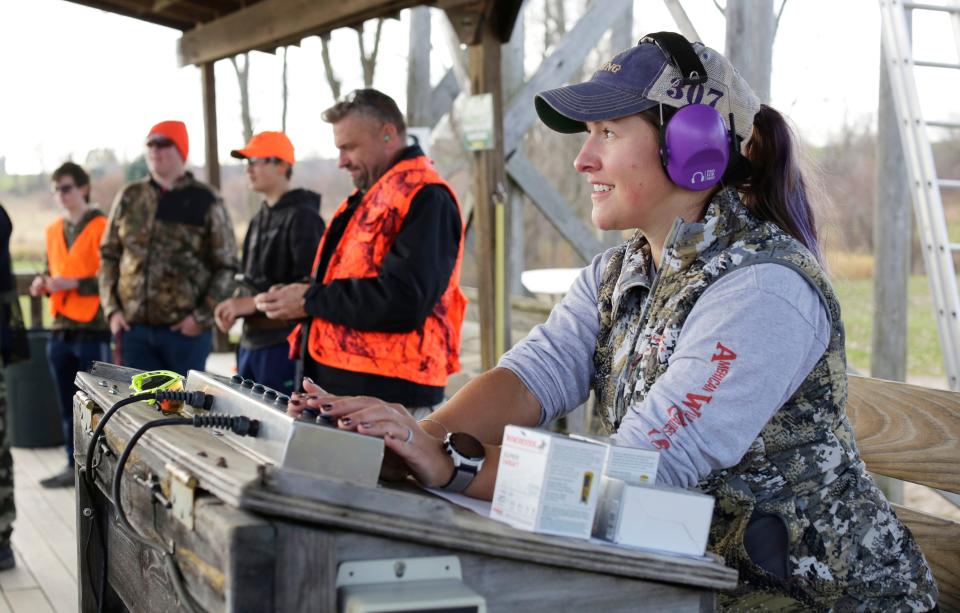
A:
[513,77]
[210,124]
[221,341]
[892,235]
[484,69]
[749,43]
[418,68]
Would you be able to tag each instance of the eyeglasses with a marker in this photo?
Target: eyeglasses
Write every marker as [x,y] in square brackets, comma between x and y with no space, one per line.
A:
[66,188]
[159,143]
[258,161]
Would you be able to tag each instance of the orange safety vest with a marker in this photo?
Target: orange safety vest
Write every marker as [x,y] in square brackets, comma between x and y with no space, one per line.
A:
[81,260]
[426,355]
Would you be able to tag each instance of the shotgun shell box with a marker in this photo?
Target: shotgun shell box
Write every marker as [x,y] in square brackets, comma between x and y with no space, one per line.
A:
[547,482]
[631,465]
[669,519]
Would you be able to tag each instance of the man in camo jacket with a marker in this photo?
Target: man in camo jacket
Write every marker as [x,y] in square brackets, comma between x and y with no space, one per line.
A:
[168,257]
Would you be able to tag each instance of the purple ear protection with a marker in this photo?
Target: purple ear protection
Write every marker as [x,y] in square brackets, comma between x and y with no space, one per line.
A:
[695,146]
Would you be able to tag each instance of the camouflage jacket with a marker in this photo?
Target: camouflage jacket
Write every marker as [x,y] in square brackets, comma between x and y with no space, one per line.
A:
[167,254]
[847,551]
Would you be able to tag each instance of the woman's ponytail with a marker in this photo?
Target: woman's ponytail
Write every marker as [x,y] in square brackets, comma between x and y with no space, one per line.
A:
[775,190]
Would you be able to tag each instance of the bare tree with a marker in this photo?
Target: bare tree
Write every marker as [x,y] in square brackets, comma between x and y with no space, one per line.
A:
[751,30]
[418,68]
[369,62]
[554,22]
[332,79]
[243,79]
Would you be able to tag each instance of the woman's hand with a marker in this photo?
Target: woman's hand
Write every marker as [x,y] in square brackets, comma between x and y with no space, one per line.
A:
[421,453]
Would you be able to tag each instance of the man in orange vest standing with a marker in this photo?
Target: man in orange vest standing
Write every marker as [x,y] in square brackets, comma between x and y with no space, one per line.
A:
[80,334]
[385,306]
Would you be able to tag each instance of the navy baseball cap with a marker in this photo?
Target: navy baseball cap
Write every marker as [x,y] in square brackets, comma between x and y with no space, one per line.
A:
[642,77]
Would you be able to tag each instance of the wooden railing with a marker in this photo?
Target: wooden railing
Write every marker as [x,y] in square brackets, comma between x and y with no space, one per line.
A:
[913,433]
[33,318]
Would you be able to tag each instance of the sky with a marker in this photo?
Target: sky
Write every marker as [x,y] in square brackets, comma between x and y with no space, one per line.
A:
[76,78]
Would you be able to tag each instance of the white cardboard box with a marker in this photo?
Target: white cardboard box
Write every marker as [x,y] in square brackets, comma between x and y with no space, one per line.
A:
[547,482]
[631,465]
[668,519]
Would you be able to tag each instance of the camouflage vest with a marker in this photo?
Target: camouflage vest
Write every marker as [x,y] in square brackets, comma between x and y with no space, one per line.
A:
[847,550]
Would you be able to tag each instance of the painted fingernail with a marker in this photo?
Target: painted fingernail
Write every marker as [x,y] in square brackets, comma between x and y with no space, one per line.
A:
[346,421]
[309,380]
[326,406]
[364,424]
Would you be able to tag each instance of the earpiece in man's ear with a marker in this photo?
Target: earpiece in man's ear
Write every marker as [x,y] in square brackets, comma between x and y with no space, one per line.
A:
[386,137]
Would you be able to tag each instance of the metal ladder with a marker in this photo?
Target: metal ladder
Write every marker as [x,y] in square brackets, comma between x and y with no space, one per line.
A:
[922,174]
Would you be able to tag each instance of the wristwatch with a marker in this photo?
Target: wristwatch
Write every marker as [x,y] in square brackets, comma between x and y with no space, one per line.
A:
[467,454]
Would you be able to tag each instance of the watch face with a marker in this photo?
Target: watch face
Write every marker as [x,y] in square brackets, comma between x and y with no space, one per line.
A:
[467,446]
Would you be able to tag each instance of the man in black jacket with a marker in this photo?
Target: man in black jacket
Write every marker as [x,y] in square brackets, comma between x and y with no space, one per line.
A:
[11,322]
[278,249]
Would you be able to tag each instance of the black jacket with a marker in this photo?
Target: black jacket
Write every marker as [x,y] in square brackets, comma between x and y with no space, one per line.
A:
[279,248]
[14,346]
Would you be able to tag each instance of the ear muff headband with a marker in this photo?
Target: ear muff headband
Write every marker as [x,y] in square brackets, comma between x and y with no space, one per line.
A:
[682,54]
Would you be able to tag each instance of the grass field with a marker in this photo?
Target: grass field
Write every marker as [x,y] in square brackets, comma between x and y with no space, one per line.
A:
[923,344]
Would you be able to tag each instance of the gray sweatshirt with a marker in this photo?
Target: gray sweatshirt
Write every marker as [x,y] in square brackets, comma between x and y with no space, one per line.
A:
[767,316]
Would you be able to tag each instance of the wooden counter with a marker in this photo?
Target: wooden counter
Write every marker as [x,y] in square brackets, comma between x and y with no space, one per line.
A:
[268,539]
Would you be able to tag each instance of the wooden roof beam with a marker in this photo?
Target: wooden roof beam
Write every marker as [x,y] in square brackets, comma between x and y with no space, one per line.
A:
[470,17]
[264,24]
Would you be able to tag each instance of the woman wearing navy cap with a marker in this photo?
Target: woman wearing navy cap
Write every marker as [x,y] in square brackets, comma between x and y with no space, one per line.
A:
[713,336]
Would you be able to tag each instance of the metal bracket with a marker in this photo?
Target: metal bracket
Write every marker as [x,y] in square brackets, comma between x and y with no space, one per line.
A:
[152,483]
[406,584]
[362,572]
[85,407]
[103,450]
[183,488]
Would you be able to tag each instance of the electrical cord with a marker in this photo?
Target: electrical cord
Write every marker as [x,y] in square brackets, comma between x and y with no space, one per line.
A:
[240,424]
[86,482]
[195,399]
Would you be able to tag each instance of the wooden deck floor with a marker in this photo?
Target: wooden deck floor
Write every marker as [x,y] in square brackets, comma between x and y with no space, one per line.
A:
[44,538]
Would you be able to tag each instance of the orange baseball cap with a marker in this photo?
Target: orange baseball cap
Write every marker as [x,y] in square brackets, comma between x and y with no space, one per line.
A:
[267,145]
[175,131]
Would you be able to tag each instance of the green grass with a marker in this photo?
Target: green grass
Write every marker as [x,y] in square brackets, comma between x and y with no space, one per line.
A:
[923,342]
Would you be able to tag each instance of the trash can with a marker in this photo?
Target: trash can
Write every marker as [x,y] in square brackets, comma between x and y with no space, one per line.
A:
[33,410]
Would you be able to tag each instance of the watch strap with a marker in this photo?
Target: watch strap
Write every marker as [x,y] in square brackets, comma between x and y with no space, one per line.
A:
[462,477]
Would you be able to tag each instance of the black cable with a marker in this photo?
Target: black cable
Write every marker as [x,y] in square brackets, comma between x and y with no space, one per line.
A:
[196,399]
[99,592]
[87,468]
[242,425]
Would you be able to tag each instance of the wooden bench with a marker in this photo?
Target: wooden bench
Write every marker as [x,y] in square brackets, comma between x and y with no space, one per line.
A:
[912,433]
